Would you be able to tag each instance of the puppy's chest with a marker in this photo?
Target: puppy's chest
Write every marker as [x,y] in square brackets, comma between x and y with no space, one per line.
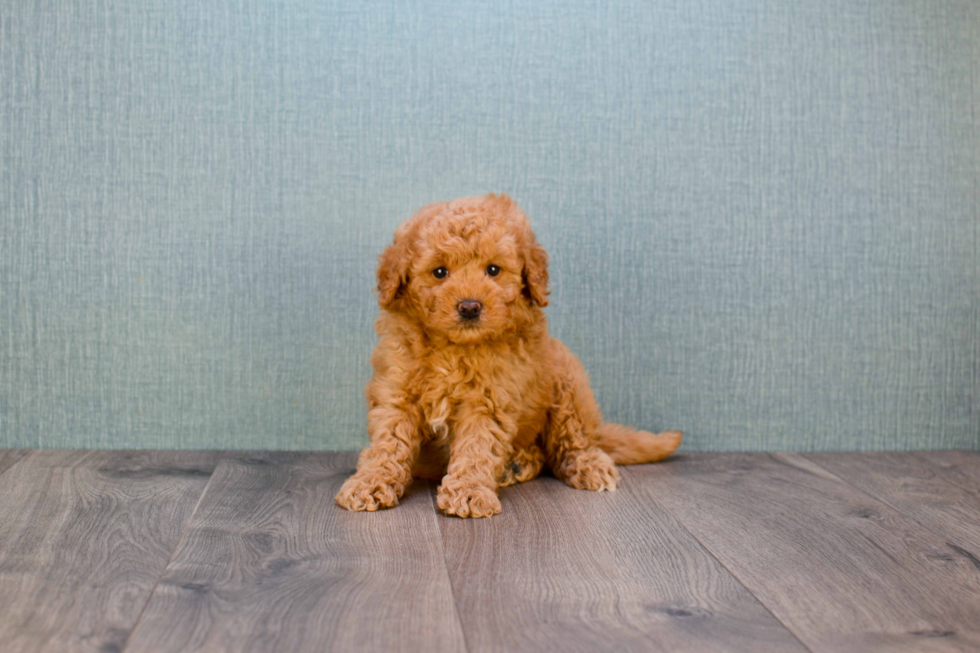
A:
[494,383]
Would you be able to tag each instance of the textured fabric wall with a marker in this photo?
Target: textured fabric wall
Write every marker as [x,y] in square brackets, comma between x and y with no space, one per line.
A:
[763,215]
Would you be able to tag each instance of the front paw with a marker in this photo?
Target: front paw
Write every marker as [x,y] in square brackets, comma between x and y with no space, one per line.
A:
[588,469]
[467,499]
[368,492]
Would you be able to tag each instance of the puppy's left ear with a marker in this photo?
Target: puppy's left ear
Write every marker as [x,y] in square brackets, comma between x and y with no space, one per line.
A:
[535,273]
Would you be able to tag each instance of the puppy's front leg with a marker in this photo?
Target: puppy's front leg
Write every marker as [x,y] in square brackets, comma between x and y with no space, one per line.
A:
[477,455]
[384,468]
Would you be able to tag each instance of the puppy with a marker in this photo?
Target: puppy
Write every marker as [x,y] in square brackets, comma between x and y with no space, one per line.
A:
[468,386]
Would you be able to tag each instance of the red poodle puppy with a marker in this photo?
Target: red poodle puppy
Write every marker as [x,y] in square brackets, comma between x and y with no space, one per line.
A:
[468,386]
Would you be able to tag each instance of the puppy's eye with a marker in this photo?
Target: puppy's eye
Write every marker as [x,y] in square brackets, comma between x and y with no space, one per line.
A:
[440,273]
[493,270]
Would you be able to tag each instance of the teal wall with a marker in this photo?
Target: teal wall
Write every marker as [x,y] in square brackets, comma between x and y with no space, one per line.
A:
[763,215]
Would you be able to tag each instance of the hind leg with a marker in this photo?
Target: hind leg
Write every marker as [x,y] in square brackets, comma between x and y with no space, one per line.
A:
[571,445]
[588,469]
[524,465]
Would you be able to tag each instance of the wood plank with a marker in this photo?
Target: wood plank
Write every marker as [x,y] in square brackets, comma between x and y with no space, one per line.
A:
[270,563]
[944,498]
[959,467]
[569,570]
[842,570]
[84,537]
[10,456]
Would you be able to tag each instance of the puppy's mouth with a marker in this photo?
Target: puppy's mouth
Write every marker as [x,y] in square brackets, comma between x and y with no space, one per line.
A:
[468,331]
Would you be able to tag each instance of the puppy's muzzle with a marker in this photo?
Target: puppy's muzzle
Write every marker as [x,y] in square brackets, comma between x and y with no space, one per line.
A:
[469,309]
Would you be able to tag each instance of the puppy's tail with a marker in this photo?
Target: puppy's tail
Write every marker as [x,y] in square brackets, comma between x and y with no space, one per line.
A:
[630,447]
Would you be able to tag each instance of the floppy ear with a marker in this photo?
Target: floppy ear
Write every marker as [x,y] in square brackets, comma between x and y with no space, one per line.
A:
[393,269]
[535,273]
[394,262]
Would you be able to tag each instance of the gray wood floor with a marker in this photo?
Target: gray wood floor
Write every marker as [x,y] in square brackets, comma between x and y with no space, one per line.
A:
[207,551]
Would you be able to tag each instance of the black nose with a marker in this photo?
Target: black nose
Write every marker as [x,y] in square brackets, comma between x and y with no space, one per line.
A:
[469,309]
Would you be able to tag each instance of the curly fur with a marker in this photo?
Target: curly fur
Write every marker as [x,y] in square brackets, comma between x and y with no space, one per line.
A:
[478,404]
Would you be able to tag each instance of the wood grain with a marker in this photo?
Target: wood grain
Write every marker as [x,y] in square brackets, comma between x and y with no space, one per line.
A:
[940,491]
[270,563]
[84,537]
[961,468]
[842,570]
[569,570]
[10,456]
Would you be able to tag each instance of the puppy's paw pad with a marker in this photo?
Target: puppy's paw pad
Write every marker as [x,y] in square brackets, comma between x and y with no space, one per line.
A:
[589,470]
[368,493]
[467,500]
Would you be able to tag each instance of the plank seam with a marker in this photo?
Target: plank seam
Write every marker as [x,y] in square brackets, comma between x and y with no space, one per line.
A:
[941,536]
[445,563]
[170,558]
[734,576]
[28,453]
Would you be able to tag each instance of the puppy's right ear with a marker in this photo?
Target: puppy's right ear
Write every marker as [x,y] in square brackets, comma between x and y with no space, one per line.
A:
[395,261]
[393,269]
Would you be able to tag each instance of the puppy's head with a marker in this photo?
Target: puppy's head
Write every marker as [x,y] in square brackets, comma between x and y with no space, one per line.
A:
[470,269]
